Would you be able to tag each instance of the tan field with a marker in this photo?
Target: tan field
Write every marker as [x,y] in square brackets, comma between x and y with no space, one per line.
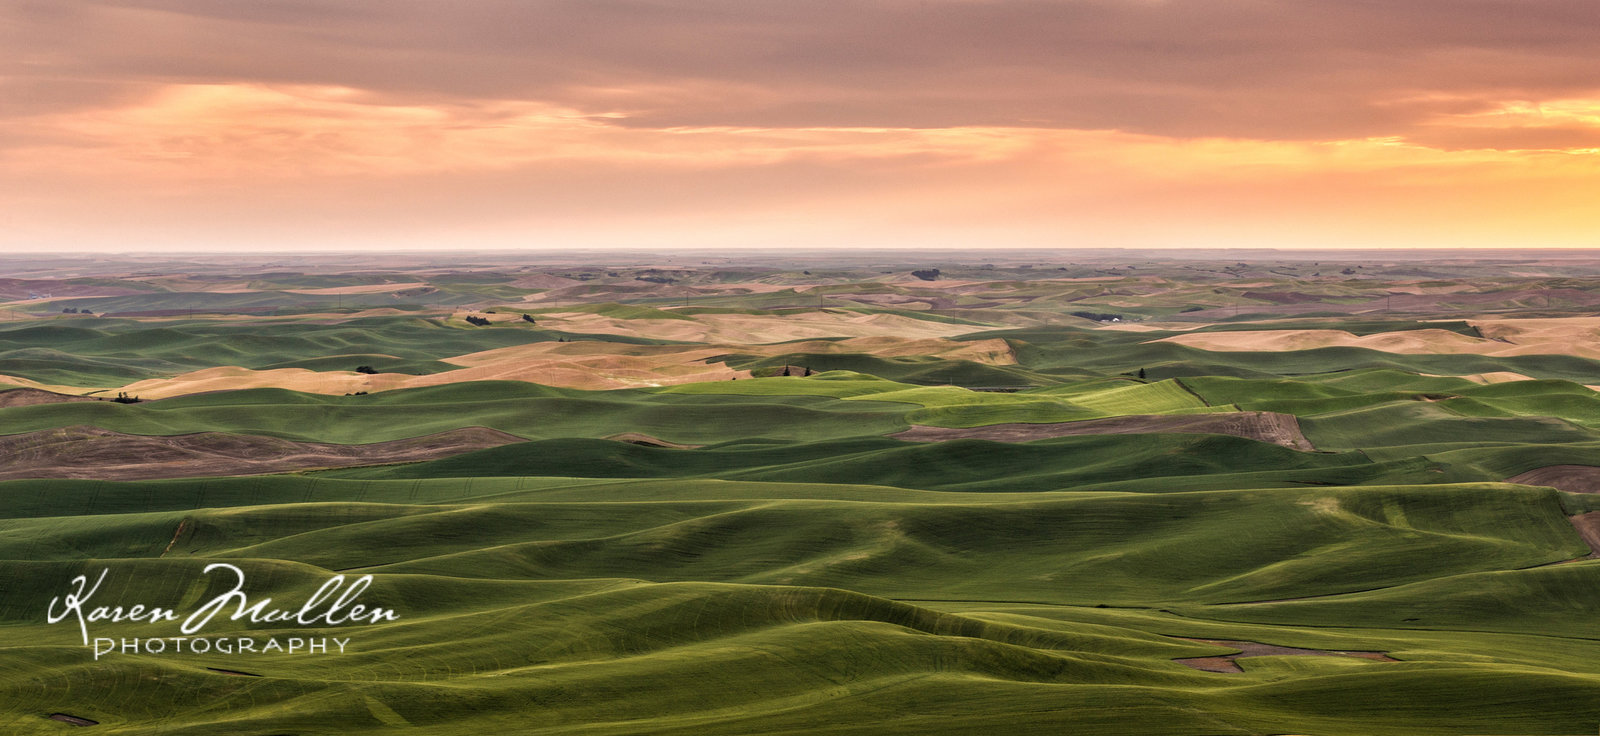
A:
[993,352]
[1494,377]
[1578,336]
[10,381]
[1414,341]
[747,328]
[588,365]
[1558,336]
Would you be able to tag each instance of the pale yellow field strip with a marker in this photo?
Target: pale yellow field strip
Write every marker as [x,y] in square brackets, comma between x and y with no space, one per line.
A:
[1579,336]
[756,329]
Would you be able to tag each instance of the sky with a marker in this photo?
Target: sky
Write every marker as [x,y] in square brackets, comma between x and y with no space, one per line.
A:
[370,124]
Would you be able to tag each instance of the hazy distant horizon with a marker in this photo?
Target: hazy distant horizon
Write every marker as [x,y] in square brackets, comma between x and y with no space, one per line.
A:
[78,264]
[726,250]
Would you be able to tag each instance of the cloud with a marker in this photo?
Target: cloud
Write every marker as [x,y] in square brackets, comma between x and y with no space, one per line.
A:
[1287,70]
[1039,122]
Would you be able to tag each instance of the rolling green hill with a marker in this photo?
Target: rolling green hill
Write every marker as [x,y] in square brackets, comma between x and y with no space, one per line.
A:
[1111,535]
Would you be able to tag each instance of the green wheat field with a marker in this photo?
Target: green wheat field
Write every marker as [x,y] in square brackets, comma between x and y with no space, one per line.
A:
[815,495]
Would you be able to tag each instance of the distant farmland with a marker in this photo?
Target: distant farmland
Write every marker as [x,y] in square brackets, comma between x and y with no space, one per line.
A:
[811,497]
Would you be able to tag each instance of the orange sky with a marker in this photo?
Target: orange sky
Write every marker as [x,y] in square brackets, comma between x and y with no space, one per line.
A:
[314,124]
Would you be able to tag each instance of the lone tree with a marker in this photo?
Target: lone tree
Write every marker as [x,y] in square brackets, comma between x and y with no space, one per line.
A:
[1141,374]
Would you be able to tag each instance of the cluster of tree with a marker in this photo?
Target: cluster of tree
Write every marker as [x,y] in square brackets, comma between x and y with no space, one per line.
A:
[124,398]
[358,393]
[926,274]
[1098,316]
[656,279]
[802,371]
[476,320]
[367,369]
[74,310]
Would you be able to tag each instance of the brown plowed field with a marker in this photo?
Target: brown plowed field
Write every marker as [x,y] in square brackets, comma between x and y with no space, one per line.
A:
[34,396]
[1588,526]
[1572,478]
[93,453]
[1225,663]
[1264,426]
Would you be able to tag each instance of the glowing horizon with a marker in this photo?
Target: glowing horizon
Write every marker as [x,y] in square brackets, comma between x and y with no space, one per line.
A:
[190,125]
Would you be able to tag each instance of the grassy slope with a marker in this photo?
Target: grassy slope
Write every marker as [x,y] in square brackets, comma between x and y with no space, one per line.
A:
[802,574]
[519,408]
[94,352]
[764,581]
[1090,461]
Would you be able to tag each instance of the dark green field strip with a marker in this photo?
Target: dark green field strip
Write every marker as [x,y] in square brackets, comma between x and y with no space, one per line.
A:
[1155,462]
[41,498]
[1143,549]
[1551,600]
[93,352]
[1303,395]
[1354,326]
[590,657]
[1387,426]
[1556,650]
[1067,351]
[1441,397]
[1505,461]
[1417,423]
[523,409]
[1150,463]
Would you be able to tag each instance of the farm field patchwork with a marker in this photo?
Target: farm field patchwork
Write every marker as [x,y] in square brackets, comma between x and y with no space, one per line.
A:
[812,495]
